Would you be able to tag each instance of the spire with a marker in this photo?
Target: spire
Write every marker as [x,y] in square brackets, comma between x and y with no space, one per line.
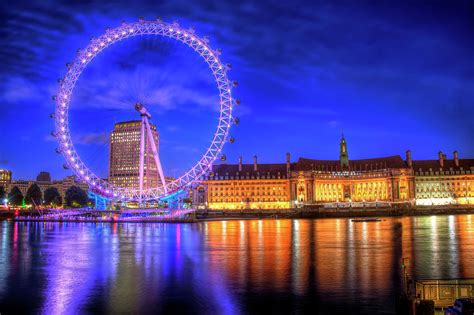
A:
[343,154]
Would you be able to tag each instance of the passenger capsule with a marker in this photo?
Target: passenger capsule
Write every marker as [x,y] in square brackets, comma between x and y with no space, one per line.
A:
[53,133]
[223,158]
[52,115]
[235,83]
[236,120]
[65,166]
[58,150]
[232,140]
[228,66]
[237,101]
[53,97]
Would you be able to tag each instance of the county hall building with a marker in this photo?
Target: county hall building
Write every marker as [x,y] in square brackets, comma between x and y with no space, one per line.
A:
[332,182]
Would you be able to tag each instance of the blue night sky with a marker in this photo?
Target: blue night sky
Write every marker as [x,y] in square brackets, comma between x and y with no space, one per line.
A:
[390,75]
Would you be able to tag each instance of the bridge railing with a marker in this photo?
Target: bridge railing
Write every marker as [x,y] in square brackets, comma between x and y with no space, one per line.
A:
[443,291]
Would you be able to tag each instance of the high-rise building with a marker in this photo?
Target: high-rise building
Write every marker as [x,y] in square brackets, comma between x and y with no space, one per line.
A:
[5,177]
[43,177]
[124,162]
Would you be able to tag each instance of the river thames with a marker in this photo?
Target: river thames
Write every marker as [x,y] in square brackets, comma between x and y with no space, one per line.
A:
[226,267]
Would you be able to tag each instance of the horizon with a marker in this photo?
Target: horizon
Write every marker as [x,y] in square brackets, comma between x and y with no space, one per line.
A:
[294,160]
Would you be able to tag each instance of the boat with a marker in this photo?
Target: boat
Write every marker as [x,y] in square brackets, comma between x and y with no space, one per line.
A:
[366,220]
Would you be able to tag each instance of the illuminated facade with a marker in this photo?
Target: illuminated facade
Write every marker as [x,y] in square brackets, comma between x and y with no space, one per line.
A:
[386,179]
[444,181]
[124,162]
[245,186]
[5,178]
[331,182]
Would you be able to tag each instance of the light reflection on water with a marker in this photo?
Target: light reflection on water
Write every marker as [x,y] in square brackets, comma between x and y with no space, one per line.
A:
[226,267]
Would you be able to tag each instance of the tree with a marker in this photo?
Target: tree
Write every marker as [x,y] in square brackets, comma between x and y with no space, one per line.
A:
[52,196]
[15,197]
[34,195]
[76,197]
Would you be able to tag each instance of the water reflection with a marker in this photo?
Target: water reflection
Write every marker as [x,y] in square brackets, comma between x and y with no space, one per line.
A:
[237,266]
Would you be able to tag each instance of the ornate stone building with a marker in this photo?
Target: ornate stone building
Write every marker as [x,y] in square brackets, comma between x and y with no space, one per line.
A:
[245,186]
[61,185]
[386,179]
[343,181]
[444,181]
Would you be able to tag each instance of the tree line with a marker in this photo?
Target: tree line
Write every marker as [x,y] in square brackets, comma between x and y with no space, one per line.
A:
[74,197]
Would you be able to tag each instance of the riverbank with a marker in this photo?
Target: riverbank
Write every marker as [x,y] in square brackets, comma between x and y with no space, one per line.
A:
[314,213]
[213,215]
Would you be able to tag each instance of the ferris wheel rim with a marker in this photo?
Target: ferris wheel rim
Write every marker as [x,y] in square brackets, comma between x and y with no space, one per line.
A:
[96,46]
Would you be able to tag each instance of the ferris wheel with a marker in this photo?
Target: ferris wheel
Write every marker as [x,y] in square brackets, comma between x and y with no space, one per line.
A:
[163,188]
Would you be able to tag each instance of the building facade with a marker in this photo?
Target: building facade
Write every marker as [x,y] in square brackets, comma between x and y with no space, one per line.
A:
[61,185]
[389,180]
[124,161]
[244,186]
[5,178]
[444,181]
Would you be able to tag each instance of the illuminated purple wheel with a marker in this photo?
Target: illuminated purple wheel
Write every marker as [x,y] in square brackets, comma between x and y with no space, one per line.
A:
[85,56]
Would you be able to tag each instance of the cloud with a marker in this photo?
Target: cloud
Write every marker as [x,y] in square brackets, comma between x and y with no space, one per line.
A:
[18,90]
[334,123]
[300,65]
[185,148]
[49,138]
[91,138]
[301,109]
[171,128]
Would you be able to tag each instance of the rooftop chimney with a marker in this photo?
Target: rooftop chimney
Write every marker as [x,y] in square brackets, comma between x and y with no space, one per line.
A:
[288,161]
[240,164]
[456,158]
[409,161]
[440,158]
[255,163]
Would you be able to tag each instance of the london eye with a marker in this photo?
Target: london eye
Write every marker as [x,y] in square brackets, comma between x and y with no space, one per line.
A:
[163,187]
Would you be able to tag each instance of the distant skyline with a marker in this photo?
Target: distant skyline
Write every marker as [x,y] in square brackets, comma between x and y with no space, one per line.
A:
[390,76]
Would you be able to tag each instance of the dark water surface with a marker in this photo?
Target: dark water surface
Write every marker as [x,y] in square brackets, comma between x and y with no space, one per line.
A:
[327,266]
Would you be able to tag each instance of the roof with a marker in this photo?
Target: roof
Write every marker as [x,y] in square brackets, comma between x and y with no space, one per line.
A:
[425,165]
[232,169]
[304,164]
[131,123]
[394,161]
